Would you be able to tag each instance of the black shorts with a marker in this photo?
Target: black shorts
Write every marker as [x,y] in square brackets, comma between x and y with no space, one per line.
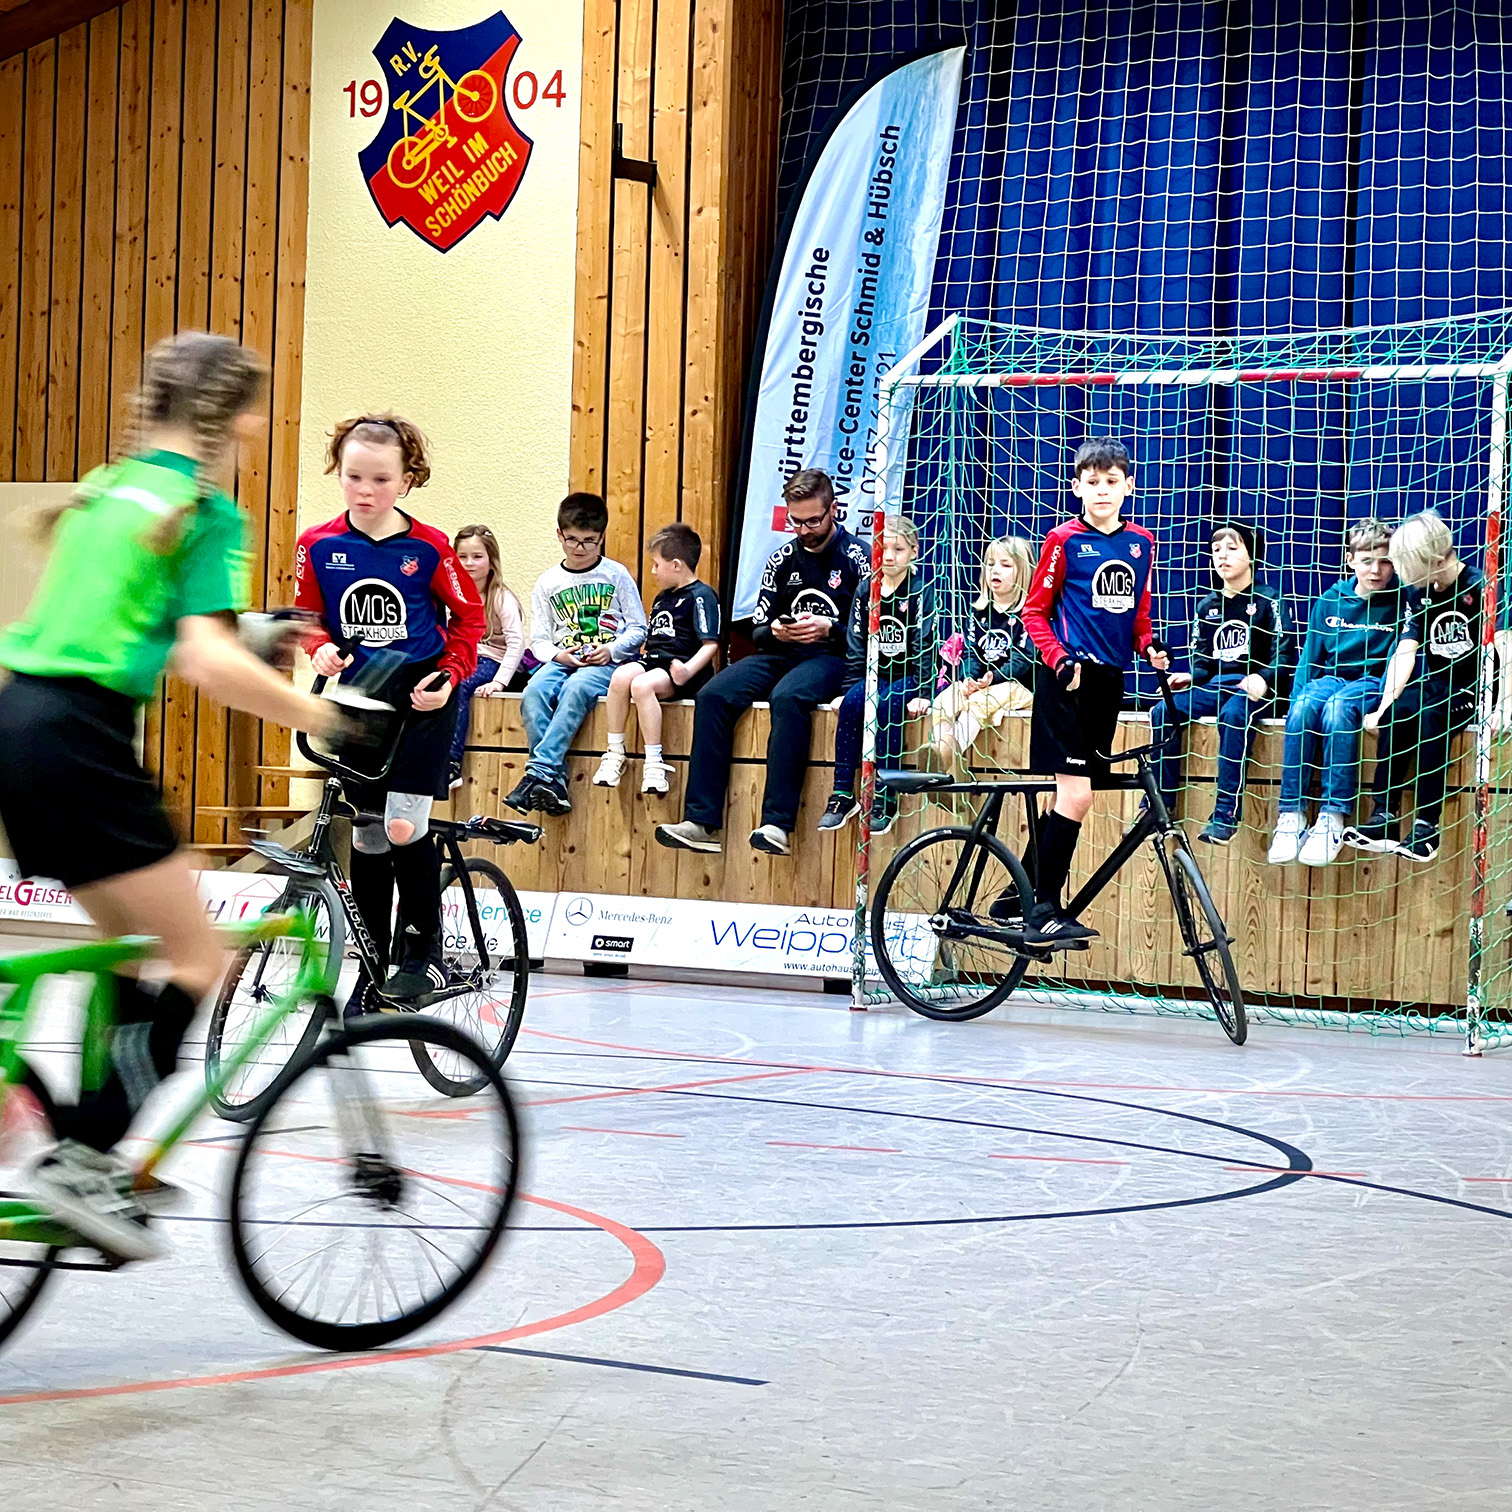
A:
[421,765]
[75,802]
[1067,730]
[689,689]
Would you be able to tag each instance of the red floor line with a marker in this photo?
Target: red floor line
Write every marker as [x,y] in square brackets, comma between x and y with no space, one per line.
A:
[713,1081]
[1010,1082]
[1062,1159]
[638,1133]
[1499,1180]
[650,1266]
[801,1144]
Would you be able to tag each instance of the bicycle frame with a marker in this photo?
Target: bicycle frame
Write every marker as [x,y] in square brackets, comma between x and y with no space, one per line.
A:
[21,1220]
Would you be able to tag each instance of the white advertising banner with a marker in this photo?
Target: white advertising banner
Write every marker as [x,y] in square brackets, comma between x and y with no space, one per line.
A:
[851,298]
[536,906]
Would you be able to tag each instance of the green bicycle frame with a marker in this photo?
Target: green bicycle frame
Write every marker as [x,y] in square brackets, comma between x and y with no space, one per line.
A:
[21,1220]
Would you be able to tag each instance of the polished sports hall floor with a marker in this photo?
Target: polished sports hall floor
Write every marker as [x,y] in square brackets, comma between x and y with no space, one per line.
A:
[780,1256]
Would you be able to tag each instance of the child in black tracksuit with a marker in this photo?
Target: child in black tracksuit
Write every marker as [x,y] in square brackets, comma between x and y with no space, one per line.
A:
[1424,704]
[1243,653]
[906,640]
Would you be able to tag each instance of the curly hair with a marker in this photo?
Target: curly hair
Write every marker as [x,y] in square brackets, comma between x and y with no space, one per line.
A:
[383,430]
[195,380]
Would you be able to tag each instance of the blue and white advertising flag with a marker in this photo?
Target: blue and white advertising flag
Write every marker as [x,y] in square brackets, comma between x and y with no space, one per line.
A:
[852,297]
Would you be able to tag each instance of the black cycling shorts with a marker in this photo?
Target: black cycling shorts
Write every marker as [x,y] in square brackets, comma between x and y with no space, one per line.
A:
[1067,730]
[74,799]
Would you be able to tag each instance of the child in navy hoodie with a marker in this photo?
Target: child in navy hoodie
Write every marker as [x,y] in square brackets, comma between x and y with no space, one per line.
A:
[1350,635]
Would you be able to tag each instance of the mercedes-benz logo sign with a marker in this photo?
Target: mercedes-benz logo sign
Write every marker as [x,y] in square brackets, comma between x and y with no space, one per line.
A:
[579,911]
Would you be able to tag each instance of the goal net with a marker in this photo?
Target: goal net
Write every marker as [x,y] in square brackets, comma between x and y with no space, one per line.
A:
[1299,437]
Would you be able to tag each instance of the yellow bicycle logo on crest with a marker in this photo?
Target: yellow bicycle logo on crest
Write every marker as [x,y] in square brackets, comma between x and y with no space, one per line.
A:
[473,98]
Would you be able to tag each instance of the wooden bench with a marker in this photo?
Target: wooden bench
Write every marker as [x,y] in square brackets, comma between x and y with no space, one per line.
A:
[1370,928]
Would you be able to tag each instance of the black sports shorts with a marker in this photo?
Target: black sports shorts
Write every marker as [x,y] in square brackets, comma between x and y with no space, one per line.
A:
[1067,730]
[423,761]
[689,689]
[74,799]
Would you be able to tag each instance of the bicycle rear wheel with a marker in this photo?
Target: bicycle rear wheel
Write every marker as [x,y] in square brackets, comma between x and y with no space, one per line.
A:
[922,895]
[355,1217]
[491,1009]
[259,975]
[1207,943]
[26,1117]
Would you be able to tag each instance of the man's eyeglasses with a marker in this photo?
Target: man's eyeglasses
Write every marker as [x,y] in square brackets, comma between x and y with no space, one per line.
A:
[819,520]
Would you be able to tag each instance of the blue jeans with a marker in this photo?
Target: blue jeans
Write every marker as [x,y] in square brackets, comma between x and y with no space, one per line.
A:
[1331,712]
[487,667]
[892,705]
[555,705]
[1237,714]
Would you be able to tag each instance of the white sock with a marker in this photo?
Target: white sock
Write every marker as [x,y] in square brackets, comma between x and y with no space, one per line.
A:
[653,753]
[617,744]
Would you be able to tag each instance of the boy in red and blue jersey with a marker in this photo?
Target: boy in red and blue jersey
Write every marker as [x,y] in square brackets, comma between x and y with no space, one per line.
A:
[1088,614]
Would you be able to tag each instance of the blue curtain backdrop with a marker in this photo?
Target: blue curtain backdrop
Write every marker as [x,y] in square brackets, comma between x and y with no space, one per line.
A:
[1213,168]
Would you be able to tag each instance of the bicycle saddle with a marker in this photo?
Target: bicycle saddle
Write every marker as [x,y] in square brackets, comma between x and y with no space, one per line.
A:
[898,781]
[282,859]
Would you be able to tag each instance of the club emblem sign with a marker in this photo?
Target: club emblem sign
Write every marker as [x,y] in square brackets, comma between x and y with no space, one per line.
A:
[448,153]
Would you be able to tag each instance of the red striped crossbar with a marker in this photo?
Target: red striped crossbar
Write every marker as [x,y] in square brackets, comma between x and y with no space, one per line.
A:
[1199,377]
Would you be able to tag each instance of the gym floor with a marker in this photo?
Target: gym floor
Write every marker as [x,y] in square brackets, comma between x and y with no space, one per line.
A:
[778,1255]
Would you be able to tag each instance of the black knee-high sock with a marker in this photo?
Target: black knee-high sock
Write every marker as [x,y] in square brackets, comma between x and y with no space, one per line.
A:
[417,872]
[1057,845]
[150,1027]
[373,892]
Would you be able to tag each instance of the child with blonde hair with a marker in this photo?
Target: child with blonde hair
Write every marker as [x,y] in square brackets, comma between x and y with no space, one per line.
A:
[996,659]
[503,643]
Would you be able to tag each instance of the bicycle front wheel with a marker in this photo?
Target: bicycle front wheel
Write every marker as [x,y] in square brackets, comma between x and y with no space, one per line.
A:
[1206,941]
[356,1218]
[259,976]
[490,1004]
[926,904]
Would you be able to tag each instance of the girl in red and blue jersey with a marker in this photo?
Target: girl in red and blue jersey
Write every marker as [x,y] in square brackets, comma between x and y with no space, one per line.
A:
[1088,614]
[382,581]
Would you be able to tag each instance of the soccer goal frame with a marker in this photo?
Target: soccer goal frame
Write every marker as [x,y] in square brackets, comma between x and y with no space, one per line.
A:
[964,354]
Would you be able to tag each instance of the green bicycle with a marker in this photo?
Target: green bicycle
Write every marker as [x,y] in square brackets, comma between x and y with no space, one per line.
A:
[340,1226]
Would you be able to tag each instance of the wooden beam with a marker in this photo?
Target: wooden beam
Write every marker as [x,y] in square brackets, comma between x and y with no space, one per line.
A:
[36,21]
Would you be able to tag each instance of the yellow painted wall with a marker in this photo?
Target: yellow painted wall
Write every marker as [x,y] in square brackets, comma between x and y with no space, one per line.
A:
[475,344]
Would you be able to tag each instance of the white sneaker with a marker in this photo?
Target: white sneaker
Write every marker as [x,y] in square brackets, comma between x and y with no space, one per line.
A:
[91,1192]
[610,770]
[656,777]
[1323,841]
[1286,843]
[688,836]
[770,840]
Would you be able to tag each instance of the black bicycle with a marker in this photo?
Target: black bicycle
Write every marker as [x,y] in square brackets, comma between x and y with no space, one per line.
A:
[947,923]
[485,953]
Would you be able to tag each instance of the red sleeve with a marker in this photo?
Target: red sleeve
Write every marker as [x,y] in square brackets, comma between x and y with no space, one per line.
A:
[307,594]
[1039,604]
[466,619]
[1143,631]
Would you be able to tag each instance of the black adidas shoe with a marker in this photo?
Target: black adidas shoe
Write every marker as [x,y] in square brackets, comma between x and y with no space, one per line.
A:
[1054,930]
[525,797]
[1422,844]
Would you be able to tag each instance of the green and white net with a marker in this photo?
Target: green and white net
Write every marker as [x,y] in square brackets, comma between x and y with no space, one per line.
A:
[1299,436]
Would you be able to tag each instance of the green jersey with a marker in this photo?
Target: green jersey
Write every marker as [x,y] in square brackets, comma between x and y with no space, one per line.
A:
[108,604]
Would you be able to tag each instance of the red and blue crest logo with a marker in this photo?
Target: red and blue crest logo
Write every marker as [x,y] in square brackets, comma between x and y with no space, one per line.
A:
[448,153]
[410,566]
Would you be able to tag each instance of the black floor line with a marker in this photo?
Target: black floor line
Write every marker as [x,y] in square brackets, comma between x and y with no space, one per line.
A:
[692,1375]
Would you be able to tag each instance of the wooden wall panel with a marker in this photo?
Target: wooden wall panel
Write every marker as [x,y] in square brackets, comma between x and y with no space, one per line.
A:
[154,177]
[670,280]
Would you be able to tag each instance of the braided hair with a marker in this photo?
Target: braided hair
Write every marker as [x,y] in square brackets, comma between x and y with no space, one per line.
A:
[386,429]
[195,380]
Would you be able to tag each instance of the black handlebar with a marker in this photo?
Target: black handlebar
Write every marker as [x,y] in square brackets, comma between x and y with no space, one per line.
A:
[333,764]
[1172,729]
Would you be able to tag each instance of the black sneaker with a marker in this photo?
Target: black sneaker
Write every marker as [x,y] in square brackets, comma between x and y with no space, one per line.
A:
[526,796]
[1055,930]
[838,812]
[1377,833]
[1218,830]
[454,777]
[1422,844]
[884,816]
[420,970]
[552,798]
